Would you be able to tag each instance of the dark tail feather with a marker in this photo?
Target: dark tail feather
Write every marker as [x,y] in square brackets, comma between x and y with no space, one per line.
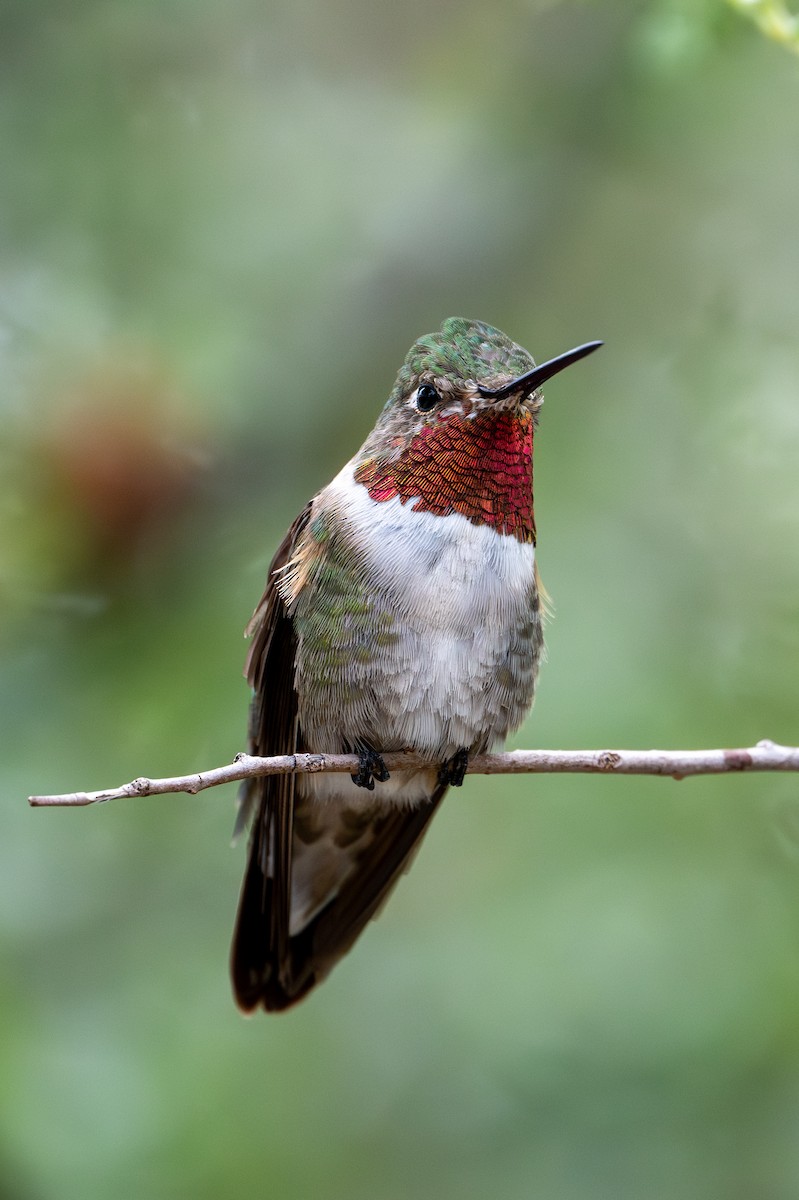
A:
[260,940]
[276,971]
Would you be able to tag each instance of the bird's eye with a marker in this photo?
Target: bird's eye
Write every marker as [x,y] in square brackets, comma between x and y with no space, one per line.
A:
[426,397]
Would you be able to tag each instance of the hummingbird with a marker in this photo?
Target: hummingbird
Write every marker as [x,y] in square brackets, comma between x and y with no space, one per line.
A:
[402,611]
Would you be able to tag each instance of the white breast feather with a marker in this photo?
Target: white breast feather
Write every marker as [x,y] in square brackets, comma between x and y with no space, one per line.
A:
[454,575]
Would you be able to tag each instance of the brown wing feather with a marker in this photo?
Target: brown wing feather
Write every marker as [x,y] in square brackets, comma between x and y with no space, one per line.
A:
[269,967]
[260,940]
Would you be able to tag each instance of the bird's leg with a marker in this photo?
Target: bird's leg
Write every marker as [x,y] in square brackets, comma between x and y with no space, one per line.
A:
[370,768]
[454,769]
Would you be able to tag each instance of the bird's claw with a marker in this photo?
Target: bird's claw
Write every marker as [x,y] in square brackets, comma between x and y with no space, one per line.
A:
[370,768]
[454,769]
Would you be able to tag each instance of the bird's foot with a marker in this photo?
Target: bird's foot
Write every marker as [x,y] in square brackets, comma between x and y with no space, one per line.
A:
[370,768]
[454,769]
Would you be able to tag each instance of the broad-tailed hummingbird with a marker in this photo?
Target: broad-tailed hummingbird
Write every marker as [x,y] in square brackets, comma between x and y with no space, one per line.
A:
[402,611]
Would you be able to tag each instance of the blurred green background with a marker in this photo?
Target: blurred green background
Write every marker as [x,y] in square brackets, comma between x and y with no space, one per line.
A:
[221,226]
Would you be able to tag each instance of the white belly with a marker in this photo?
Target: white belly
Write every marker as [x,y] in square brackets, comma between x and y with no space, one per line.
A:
[460,671]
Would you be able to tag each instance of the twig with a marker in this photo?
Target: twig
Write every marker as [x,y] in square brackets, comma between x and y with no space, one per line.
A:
[676,764]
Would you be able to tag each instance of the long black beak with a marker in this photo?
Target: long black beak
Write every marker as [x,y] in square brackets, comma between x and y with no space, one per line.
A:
[533,379]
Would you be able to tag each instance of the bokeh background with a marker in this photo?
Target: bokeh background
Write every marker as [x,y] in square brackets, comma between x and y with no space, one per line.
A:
[221,226]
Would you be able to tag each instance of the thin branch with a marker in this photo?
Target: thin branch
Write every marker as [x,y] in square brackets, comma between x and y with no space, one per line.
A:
[676,764]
